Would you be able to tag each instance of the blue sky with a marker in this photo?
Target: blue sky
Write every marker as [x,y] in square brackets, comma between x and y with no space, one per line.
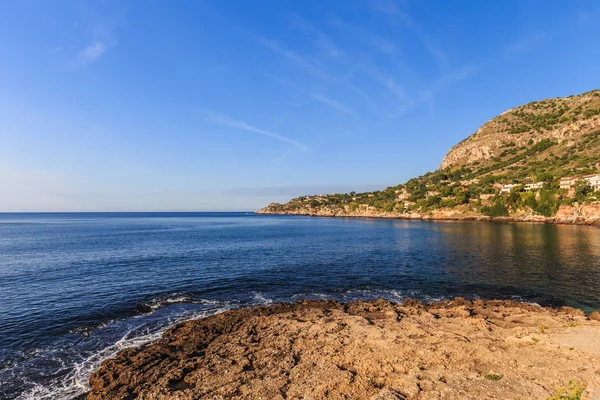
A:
[228,105]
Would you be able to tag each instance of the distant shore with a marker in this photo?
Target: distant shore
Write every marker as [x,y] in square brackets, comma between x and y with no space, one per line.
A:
[593,220]
[377,350]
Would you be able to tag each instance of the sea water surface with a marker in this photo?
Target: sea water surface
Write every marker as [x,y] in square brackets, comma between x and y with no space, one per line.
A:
[77,288]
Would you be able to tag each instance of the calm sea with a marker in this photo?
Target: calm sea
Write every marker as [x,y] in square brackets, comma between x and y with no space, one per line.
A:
[76,288]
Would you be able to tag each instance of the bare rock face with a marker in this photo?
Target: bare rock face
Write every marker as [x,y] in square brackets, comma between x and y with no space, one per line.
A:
[562,119]
[456,349]
[586,214]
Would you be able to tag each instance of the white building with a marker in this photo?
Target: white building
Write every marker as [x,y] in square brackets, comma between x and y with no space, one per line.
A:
[593,181]
[534,186]
[567,182]
[508,188]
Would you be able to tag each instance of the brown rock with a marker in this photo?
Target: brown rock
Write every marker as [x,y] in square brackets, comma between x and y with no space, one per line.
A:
[362,350]
[387,394]
[594,316]
[572,311]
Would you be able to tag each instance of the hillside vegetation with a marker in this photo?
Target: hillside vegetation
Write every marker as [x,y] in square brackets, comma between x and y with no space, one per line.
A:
[539,142]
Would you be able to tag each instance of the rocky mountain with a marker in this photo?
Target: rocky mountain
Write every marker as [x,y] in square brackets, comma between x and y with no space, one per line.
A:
[561,120]
[513,167]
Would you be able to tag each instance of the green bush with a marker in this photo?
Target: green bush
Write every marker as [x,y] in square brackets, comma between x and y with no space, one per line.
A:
[497,210]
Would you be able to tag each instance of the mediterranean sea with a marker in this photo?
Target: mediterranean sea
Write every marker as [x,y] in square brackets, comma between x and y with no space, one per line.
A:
[77,288]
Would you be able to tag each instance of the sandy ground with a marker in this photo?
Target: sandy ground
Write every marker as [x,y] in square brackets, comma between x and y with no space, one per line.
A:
[365,350]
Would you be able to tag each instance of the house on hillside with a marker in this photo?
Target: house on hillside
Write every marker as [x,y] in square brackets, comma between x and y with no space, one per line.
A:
[593,181]
[433,193]
[567,182]
[508,188]
[534,186]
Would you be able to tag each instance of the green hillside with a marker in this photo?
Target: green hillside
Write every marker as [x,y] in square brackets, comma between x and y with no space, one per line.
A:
[539,142]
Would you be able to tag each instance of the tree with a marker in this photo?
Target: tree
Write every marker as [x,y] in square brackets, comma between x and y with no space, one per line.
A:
[581,190]
[461,197]
[416,189]
[514,196]
[497,210]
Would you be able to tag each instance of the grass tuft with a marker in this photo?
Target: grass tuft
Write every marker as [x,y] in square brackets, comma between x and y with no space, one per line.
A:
[493,377]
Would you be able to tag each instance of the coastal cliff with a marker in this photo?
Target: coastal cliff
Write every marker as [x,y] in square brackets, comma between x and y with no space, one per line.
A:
[539,162]
[586,214]
[378,350]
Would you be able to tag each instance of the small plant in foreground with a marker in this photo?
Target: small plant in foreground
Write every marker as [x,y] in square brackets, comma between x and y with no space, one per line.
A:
[573,391]
[535,340]
[493,377]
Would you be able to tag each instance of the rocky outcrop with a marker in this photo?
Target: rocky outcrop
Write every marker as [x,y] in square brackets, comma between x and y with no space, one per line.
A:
[456,349]
[517,126]
[587,214]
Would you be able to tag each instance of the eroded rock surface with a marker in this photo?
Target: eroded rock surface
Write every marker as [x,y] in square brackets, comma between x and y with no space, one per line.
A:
[364,350]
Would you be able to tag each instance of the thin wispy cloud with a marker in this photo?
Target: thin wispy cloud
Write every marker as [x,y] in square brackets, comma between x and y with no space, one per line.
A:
[387,92]
[585,17]
[390,8]
[367,37]
[525,44]
[224,120]
[323,42]
[385,46]
[91,53]
[298,60]
[293,191]
[95,50]
[101,37]
[336,105]
[389,83]
[522,45]
[327,47]
[366,97]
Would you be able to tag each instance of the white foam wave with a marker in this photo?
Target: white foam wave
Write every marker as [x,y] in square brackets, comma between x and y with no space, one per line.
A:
[392,295]
[174,298]
[260,299]
[75,382]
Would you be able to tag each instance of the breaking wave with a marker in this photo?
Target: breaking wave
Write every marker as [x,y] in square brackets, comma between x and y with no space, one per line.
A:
[61,370]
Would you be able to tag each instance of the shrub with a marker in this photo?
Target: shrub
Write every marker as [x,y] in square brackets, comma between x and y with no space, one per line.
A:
[497,210]
[590,113]
[573,391]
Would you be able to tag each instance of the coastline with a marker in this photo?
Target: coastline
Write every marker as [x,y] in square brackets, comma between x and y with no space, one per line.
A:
[591,220]
[367,349]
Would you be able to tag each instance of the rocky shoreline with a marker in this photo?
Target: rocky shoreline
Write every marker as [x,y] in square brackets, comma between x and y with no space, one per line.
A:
[457,349]
[584,215]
